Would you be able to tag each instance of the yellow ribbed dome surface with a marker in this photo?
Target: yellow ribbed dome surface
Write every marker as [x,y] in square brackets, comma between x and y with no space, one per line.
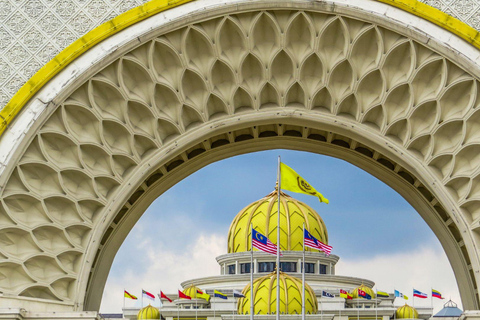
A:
[262,214]
[406,312]
[148,312]
[192,292]
[265,294]
[364,288]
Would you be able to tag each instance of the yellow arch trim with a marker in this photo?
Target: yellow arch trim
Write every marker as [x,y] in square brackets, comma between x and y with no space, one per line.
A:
[80,46]
[109,28]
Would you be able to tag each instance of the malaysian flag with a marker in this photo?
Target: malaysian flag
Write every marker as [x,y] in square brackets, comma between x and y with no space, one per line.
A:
[262,243]
[312,242]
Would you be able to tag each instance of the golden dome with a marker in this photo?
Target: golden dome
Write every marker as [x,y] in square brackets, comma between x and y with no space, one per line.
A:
[148,312]
[262,214]
[406,312]
[265,295]
[191,291]
[364,288]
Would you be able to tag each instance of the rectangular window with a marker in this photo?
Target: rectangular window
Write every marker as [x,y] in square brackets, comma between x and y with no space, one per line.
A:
[323,269]
[309,267]
[245,268]
[266,266]
[231,269]
[288,266]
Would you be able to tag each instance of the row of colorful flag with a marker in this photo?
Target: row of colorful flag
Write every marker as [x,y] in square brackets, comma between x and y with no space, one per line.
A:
[237,294]
[419,294]
[181,295]
[262,243]
[383,294]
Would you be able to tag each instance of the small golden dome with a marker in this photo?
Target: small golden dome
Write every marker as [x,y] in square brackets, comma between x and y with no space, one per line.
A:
[406,312]
[262,214]
[265,295]
[363,287]
[148,312]
[191,291]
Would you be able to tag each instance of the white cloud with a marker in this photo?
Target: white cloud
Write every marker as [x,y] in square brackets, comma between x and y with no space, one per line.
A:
[165,270]
[422,269]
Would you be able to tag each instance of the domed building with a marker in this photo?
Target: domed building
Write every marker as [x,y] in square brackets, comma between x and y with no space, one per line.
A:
[322,284]
[406,312]
[148,313]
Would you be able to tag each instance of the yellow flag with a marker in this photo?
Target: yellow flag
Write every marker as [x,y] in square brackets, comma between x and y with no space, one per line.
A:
[291,181]
[203,295]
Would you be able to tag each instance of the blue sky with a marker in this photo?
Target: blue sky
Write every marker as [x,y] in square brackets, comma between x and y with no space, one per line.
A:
[371,227]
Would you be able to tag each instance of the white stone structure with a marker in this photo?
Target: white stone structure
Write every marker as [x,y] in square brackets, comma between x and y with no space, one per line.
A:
[356,79]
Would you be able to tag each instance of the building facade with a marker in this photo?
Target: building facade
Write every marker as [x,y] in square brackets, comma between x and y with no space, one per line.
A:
[323,285]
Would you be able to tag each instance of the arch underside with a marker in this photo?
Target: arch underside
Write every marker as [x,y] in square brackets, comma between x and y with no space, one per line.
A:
[301,78]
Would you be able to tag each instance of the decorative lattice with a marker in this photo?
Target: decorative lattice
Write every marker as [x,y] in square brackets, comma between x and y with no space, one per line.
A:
[245,63]
[32,32]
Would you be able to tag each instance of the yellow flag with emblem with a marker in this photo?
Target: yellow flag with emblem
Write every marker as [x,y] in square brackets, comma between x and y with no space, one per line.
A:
[292,181]
[203,295]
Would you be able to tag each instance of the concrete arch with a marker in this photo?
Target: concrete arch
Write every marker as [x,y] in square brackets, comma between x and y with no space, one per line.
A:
[160,100]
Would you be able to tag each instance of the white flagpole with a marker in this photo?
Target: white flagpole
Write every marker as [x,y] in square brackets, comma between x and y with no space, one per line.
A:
[413,299]
[141,301]
[278,240]
[123,299]
[303,275]
[196,306]
[394,299]
[213,304]
[321,306]
[178,310]
[251,273]
[376,303]
[358,308]
[340,309]
[431,297]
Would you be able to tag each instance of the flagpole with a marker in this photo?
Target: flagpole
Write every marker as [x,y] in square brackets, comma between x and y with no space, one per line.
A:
[376,303]
[321,307]
[196,306]
[123,299]
[340,309]
[213,304]
[278,240]
[141,301]
[395,310]
[303,275]
[251,273]
[431,298]
[413,299]
[358,310]
[178,310]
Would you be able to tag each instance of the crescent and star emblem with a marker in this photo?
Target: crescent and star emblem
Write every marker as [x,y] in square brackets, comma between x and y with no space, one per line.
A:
[259,237]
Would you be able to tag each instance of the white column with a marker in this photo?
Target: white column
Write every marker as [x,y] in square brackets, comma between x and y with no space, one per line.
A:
[236,268]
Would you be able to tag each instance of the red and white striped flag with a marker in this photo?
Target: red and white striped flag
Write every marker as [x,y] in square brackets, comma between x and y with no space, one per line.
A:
[314,243]
[148,295]
[262,243]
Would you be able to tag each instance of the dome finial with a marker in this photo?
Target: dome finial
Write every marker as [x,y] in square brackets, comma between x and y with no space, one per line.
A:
[276,186]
